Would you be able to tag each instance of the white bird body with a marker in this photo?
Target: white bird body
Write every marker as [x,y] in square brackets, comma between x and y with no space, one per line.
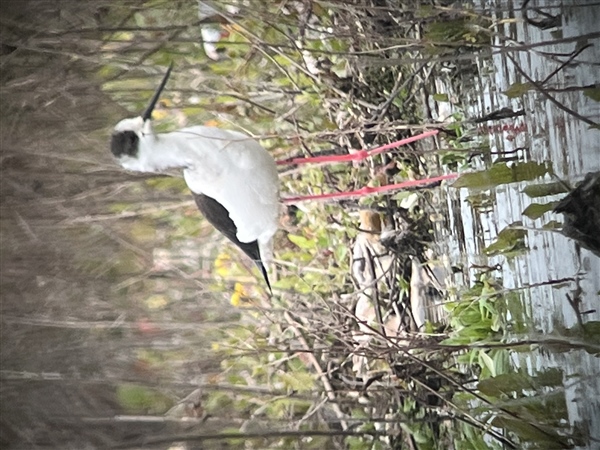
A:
[233,178]
[228,166]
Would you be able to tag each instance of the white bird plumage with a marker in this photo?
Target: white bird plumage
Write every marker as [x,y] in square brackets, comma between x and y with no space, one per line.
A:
[228,166]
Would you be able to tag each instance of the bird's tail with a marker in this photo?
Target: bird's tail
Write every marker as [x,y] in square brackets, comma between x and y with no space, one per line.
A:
[266,258]
[265,275]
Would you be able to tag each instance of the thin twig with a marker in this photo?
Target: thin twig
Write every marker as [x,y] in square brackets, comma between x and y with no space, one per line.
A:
[542,91]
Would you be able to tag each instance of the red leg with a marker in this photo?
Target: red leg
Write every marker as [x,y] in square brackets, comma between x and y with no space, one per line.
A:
[369,190]
[359,155]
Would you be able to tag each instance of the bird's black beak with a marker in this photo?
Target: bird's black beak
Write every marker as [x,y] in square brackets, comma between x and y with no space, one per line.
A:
[148,113]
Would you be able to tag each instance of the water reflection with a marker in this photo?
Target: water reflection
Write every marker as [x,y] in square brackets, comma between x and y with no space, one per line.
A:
[546,133]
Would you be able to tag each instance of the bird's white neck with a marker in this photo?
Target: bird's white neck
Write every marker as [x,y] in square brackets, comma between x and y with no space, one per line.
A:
[158,152]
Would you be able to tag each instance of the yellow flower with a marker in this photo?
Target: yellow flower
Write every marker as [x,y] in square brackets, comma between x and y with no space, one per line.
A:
[159,114]
[156,302]
[212,123]
[222,263]
[239,295]
[162,111]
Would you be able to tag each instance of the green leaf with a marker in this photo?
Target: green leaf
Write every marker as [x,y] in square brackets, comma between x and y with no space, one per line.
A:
[341,252]
[545,189]
[518,90]
[552,225]
[440,97]
[505,384]
[299,381]
[453,158]
[537,210]
[544,436]
[302,242]
[139,399]
[502,173]
[486,361]
[508,240]
[594,94]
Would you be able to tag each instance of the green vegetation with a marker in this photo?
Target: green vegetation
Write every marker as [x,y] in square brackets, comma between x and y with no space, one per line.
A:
[305,81]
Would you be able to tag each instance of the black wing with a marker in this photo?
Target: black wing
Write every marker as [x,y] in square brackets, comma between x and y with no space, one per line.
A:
[219,218]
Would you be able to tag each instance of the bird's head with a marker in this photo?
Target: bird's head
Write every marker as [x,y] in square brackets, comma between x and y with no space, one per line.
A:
[126,136]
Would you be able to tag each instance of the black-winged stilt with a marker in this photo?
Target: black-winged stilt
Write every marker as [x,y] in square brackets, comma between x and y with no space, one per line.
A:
[234,180]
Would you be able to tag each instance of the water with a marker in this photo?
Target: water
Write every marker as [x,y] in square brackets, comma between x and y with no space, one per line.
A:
[546,133]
